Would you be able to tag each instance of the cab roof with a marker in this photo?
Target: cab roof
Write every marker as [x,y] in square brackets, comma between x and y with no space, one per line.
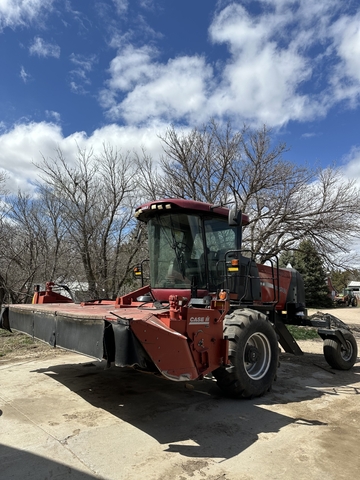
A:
[143,212]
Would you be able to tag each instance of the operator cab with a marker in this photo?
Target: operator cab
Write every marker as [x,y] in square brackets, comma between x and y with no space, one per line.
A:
[191,247]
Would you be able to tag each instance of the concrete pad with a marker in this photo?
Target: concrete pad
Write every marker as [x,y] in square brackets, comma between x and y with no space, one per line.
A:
[69,417]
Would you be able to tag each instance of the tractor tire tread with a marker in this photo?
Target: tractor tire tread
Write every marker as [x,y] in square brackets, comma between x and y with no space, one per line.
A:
[233,379]
[333,353]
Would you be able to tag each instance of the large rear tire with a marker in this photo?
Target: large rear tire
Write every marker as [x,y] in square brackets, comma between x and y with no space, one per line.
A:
[339,357]
[253,355]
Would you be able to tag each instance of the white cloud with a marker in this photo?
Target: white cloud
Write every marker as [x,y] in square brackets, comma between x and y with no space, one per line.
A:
[177,90]
[24,75]
[346,77]
[147,4]
[121,6]
[55,115]
[15,13]
[310,135]
[352,164]
[172,90]
[22,145]
[272,58]
[78,88]
[44,49]
[80,74]
[262,80]
[275,53]
[25,144]
[132,66]
[83,63]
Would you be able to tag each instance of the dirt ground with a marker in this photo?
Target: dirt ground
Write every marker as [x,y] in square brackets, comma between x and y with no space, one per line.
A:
[65,416]
[18,347]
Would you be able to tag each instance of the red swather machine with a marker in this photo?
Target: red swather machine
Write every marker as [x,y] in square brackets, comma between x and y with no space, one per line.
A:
[209,307]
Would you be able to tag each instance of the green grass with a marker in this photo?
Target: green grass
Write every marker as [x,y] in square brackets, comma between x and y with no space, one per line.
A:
[303,333]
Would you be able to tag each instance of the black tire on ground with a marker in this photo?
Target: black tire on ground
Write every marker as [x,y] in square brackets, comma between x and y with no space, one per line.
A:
[253,355]
[354,302]
[337,356]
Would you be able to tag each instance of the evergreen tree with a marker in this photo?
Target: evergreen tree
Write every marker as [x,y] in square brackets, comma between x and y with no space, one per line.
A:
[340,279]
[286,258]
[310,265]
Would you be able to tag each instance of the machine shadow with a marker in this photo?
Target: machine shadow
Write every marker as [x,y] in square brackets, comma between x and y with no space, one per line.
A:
[188,417]
[19,464]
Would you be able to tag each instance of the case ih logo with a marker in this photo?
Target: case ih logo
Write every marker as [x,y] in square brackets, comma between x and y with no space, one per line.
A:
[199,320]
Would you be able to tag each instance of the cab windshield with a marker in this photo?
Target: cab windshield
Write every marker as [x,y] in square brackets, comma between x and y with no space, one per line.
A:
[188,250]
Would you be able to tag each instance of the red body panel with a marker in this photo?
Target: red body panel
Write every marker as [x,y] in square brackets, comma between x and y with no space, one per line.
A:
[274,289]
[48,296]
[182,342]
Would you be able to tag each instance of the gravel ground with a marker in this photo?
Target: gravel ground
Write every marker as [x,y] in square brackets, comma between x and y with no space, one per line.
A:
[348,315]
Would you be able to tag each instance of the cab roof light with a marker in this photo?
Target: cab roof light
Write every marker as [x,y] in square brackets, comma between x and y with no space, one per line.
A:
[160,206]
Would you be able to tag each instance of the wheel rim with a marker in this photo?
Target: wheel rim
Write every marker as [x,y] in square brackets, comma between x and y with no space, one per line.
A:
[346,354]
[257,356]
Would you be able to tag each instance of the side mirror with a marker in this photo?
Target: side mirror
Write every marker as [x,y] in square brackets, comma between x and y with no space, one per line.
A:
[235,217]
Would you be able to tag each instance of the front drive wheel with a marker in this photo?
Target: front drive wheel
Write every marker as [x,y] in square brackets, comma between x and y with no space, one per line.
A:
[253,355]
[339,357]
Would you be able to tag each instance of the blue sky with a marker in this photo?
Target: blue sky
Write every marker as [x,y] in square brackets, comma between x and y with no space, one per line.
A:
[80,72]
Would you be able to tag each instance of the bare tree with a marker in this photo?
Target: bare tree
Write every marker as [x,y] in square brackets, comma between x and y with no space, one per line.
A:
[149,178]
[3,211]
[197,164]
[96,198]
[80,225]
[30,250]
[286,203]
